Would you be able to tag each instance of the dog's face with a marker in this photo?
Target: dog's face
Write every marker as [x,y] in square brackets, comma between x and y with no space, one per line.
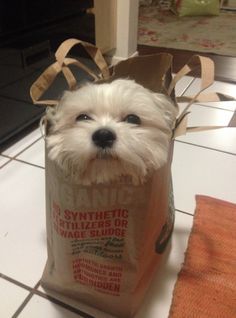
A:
[102,132]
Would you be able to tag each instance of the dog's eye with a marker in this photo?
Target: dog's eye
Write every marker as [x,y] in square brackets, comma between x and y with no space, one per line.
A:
[132,119]
[83,117]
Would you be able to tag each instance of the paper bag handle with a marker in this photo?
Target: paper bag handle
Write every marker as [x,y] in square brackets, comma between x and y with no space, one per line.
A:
[182,128]
[196,61]
[91,49]
[207,79]
[45,80]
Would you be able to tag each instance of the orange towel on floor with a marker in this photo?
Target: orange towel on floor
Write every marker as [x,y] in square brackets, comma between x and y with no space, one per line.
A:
[206,286]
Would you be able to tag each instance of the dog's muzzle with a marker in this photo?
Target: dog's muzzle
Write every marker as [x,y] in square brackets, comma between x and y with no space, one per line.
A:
[103,138]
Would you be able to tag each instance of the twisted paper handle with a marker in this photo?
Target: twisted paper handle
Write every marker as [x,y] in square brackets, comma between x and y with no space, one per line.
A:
[45,80]
[207,79]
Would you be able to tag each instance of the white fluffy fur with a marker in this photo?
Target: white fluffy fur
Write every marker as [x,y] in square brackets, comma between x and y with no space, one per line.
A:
[138,149]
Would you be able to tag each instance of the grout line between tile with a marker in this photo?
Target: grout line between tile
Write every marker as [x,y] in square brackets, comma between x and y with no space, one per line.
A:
[205,147]
[34,291]
[14,281]
[21,161]
[20,152]
[212,107]
[187,87]
[28,163]
[6,163]
[25,302]
[23,150]
[5,156]
[184,212]
[62,304]
[22,306]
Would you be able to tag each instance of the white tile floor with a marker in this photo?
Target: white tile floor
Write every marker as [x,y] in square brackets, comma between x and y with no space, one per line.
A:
[204,163]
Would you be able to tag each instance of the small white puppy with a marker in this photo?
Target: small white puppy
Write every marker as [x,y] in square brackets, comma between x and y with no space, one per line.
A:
[102,132]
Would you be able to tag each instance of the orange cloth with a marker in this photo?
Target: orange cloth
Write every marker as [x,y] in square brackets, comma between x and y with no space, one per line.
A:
[206,286]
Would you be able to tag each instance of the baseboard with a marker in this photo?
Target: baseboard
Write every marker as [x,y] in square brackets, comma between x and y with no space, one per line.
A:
[112,60]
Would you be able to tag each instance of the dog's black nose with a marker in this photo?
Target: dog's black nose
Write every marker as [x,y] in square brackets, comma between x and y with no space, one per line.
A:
[103,138]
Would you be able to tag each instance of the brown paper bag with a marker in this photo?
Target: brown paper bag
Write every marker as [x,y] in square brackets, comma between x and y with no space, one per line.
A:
[105,242]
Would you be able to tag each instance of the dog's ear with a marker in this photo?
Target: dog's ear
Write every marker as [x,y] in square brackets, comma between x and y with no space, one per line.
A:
[169,110]
[50,119]
[51,113]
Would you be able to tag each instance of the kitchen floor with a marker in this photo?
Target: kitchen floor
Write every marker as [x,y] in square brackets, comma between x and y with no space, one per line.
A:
[203,163]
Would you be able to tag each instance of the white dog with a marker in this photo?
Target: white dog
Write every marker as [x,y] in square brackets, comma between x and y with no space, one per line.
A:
[102,132]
